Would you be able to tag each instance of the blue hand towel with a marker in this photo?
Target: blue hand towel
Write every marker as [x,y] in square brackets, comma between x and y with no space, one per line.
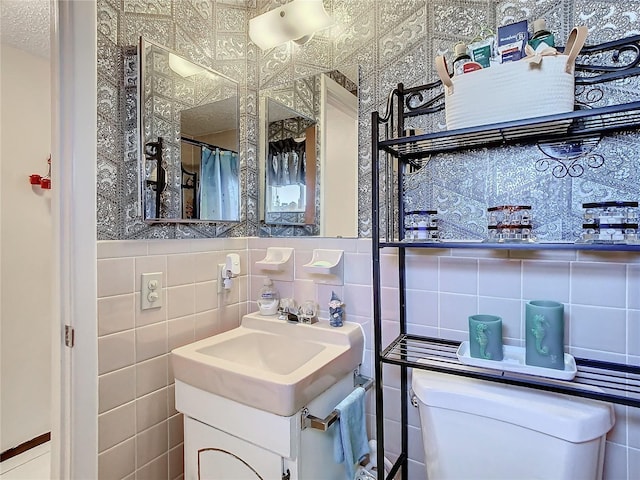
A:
[350,443]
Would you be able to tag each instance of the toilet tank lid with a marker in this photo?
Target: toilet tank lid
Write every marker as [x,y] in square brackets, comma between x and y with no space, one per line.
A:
[569,418]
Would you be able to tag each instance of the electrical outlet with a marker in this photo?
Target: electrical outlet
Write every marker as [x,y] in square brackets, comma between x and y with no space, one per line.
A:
[151,290]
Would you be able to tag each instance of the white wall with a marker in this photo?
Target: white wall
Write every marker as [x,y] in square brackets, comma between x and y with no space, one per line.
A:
[25,249]
[339,207]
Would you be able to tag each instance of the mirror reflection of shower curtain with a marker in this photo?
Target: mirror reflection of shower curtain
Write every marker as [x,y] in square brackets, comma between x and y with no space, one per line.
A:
[219,185]
[287,163]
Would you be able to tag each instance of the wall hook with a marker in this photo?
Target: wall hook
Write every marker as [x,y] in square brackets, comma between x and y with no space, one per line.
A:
[43,182]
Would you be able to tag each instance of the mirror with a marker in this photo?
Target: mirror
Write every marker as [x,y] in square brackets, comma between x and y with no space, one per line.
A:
[308,151]
[290,166]
[189,139]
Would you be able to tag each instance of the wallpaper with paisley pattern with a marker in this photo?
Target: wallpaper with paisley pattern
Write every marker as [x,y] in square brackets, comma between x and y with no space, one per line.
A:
[392,41]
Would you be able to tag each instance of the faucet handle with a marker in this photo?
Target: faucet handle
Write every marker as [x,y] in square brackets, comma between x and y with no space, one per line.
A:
[308,312]
[292,318]
[288,310]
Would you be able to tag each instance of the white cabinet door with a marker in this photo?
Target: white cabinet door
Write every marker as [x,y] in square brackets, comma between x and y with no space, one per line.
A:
[211,454]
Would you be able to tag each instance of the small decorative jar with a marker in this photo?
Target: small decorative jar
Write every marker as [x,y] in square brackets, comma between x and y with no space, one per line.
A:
[421,226]
[610,222]
[510,223]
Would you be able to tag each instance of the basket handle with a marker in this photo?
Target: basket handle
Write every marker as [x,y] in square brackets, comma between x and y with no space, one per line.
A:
[575,42]
[443,71]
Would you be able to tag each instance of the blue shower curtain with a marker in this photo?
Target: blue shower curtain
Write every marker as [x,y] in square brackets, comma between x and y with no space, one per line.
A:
[219,185]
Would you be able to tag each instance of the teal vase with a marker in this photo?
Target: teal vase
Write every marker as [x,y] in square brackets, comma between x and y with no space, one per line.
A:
[544,337]
[485,337]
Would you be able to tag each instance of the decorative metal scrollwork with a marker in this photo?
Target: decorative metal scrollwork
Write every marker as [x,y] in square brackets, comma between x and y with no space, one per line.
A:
[589,96]
[426,99]
[417,101]
[569,157]
[608,61]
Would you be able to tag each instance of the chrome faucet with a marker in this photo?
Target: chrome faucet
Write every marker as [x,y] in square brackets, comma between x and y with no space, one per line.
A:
[290,317]
[289,311]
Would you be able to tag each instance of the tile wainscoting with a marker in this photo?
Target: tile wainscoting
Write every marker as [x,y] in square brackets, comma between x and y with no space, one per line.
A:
[140,432]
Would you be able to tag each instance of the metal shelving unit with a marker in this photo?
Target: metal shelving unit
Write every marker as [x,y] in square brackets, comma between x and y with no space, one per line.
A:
[565,126]
[617,247]
[394,154]
[610,382]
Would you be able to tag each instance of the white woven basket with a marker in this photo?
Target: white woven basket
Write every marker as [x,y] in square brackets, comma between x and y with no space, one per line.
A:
[532,87]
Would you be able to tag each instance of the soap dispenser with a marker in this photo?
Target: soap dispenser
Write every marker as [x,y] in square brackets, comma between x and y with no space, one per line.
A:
[269,298]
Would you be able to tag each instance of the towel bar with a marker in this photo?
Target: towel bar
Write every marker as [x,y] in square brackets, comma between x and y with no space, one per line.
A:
[323,424]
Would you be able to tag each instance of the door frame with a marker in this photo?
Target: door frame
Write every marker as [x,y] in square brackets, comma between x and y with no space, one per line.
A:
[74,445]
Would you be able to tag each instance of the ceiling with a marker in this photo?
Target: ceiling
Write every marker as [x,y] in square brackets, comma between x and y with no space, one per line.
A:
[25,25]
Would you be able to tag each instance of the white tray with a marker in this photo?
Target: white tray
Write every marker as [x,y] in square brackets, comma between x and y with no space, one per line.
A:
[514,361]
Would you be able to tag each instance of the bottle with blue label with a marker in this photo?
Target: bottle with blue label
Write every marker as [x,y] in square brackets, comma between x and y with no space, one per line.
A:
[269,298]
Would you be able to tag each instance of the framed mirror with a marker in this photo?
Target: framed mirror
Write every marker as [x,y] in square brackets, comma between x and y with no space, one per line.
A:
[189,142]
[308,157]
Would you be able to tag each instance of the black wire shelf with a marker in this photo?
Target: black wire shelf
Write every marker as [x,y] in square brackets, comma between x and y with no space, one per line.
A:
[576,125]
[606,247]
[597,380]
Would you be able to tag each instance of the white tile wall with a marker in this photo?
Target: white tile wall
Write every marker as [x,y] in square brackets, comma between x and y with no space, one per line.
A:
[116,351]
[115,276]
[116,313]
[545,279]
[458,275]
[511,312]
[116,426]
[500,278]
[598,284]
[633,287]
[633,332]
[424,272]
[116,388]
[599,328]
[602,312]
[140,432]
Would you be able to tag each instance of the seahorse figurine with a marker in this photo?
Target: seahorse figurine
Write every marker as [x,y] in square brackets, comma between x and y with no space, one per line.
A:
[483,340]
[539,332]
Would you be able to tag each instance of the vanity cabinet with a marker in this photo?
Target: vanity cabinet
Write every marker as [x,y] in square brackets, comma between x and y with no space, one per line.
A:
[226,440]
[398,152]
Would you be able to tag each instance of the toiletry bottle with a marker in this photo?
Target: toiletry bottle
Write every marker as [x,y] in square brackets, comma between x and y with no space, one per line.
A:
[460,57]
[269,298]
[541,34]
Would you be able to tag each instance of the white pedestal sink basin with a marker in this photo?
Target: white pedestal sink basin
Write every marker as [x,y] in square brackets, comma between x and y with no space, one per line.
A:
[270,364]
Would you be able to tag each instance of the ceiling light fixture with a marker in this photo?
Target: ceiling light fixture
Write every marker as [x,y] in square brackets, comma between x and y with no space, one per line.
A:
[297,20]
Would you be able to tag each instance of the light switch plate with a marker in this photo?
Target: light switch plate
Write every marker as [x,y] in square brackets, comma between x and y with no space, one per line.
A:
[151,290]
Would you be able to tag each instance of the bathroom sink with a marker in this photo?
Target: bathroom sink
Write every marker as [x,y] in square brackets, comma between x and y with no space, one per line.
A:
[270,364]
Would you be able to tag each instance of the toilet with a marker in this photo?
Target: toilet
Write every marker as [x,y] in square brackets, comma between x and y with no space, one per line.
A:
[473,429]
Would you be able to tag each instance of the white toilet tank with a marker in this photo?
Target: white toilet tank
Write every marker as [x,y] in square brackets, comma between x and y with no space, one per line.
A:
[474,429]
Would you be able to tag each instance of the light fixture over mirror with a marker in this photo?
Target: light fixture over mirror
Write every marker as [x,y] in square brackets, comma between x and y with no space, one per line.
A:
[189,140]
[309,128]
[295,21]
